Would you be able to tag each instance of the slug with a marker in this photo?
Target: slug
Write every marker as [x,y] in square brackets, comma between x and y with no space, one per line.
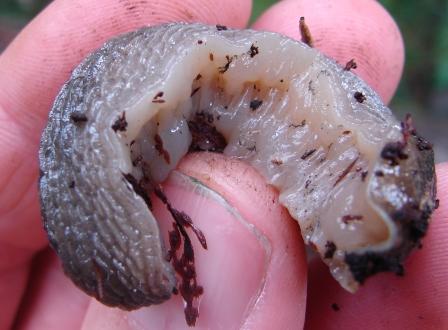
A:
[360,183]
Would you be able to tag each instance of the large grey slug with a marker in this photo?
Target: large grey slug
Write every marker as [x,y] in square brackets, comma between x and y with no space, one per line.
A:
[360,183]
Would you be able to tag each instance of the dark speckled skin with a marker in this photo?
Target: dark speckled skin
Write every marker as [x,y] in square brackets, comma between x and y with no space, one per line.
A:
[412,178]
[102,230]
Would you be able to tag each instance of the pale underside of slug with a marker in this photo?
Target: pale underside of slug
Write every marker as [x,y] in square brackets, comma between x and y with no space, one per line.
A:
[360,184]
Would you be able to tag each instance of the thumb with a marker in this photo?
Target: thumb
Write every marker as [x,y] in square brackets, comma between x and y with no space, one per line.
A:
[254,270]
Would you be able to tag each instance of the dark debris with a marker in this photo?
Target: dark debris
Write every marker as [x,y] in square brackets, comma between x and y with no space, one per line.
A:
[350,65]
[305,32]
[205,136]
[308,154]
[255,104]
[78,117]
[162,151]
[253,51]
[330,249]
[223,69]
[359,97]
[120,124]
[221,27]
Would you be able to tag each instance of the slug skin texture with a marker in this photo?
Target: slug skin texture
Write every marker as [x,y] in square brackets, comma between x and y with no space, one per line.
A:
[360,183]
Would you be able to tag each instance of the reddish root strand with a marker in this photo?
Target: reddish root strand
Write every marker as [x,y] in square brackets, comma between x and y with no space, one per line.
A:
[184,265]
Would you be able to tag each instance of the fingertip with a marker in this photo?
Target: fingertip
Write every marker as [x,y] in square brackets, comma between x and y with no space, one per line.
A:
[345,30]
[254,269]
[281,300]
[233,248]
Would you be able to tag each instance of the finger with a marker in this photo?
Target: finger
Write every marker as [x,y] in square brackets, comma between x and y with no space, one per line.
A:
[254,270]
[36,64]
[12,283]
[51,299]
[419,300]
[345,30]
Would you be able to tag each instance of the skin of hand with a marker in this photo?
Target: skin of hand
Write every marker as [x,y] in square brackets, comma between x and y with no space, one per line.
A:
[254,273]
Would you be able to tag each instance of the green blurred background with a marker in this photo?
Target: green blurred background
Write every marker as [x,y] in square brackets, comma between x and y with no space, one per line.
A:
[423,90]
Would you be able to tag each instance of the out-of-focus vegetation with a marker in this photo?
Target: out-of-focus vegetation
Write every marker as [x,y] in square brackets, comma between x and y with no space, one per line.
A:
[21,9]
[424,24]
[259,6]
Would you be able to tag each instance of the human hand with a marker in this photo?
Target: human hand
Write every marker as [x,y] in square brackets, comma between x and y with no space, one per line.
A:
[251,281]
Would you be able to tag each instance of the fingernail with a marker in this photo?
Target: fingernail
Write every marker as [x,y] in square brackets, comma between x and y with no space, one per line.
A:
[232,270]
